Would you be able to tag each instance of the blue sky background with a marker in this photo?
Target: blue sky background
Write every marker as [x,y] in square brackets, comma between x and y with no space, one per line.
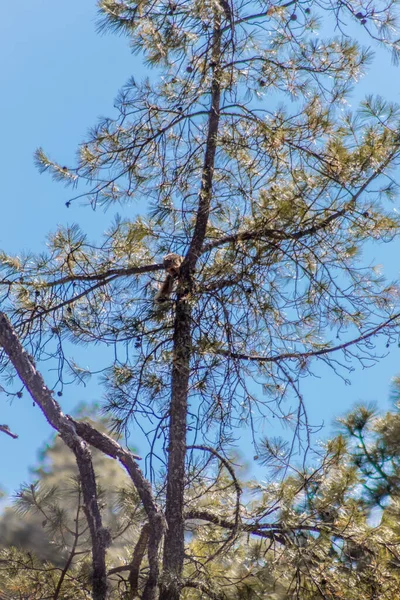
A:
[57,76]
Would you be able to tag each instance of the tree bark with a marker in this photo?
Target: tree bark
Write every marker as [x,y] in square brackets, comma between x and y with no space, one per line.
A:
[174,514]
[34,383]
[174,544]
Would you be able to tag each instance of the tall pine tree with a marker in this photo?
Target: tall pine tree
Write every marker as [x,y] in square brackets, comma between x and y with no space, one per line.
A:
[243,161]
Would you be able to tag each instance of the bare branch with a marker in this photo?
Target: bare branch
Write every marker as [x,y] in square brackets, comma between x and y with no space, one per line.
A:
[137,558]
[6,429]
[302,355]
[156,518]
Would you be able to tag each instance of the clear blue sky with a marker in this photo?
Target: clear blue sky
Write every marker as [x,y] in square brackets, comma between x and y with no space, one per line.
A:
[57,75]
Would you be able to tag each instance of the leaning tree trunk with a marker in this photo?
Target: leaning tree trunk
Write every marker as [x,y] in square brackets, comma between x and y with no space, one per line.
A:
[174,544]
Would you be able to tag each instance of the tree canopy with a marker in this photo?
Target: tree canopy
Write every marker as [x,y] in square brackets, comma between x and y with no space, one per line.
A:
[244,162]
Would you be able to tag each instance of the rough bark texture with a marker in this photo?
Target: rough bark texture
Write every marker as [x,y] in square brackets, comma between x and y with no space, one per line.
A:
[174,537]
[156,518]
[34,383]
[100,536]
[77,435]
[174,544]
[137,558]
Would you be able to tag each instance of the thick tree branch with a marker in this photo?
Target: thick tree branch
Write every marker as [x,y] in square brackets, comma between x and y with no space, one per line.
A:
[110,447]
[205,195]
[137,558]
[145,541]
[34,383]
[122,272]
[73,433]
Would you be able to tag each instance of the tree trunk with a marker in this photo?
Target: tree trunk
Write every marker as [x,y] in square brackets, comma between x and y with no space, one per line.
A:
[174,543]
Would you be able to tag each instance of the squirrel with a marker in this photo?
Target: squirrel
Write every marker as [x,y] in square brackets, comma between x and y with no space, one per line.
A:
[172,264]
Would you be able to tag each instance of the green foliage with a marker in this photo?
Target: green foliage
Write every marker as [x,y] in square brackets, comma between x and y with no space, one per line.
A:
[242,158]
[44,536]
[299,187]
[52,511]
[24,576]
[313,534]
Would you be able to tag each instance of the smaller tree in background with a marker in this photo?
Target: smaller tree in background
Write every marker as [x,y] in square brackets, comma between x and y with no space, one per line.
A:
[52,507]
[375,450]
[47,552]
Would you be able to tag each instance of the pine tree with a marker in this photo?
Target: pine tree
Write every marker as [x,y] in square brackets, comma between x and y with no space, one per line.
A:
[244,161]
